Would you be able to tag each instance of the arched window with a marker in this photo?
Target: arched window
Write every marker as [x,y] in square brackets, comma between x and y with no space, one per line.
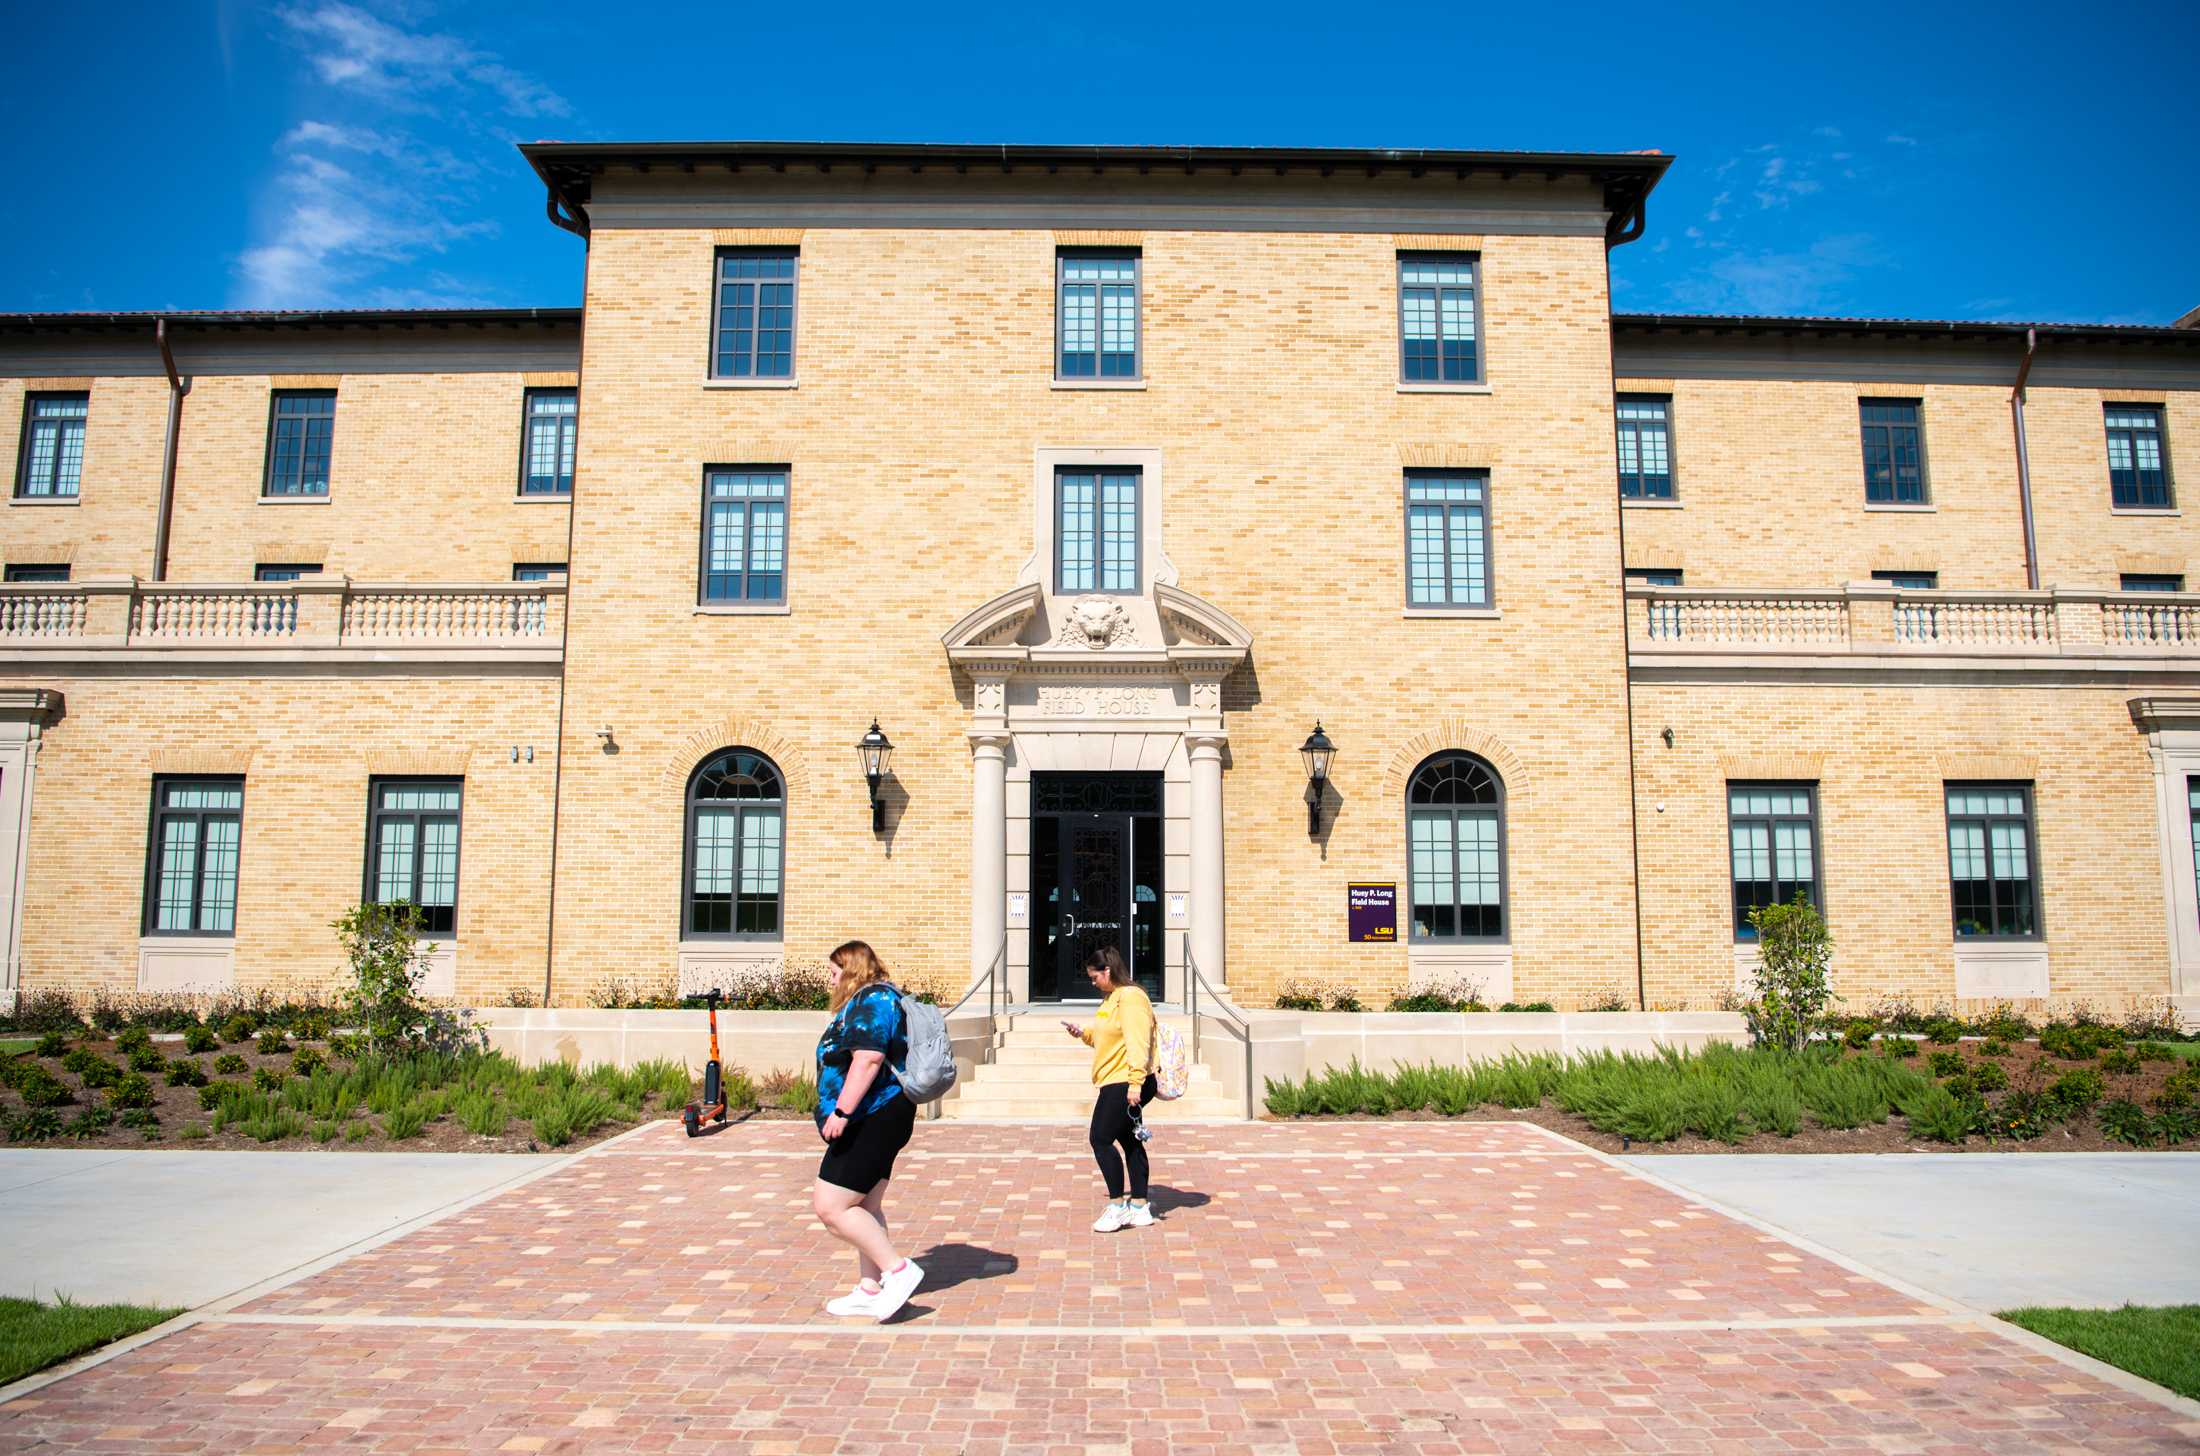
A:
[736,823]
[1455,835]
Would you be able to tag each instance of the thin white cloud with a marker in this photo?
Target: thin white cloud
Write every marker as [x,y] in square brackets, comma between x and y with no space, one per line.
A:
[1777,282]
[1831,133]
[359,198]
[1899,140]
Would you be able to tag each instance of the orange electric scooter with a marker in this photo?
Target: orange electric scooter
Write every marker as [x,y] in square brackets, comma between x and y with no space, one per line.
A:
[713,1105]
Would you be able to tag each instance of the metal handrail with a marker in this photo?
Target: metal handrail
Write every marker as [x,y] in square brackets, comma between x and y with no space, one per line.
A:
[994,971]
[1193,980]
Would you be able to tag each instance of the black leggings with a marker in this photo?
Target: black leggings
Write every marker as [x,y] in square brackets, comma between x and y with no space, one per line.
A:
[1112,1127]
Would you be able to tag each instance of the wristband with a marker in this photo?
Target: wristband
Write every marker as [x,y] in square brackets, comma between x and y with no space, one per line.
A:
[838,1113]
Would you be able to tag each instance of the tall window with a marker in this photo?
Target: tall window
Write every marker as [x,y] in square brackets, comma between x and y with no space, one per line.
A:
[745,536]
[2138,473]
[30,573]
[1096,315]
[53,445]
[191,876]
[1909,580]
[2159,581]
[1772,830]
[301,430]
[1096,529]
[1894,452]
[736,813]
[1437,332]
[412,848]
[1447,539]
[546,466]
[1645,449]
[285,571]
[753,331]
[1455,838]
[2192,810]
[538,571]
[1993,878]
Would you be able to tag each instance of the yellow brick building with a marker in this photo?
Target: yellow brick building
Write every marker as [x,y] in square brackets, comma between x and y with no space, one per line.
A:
[1096,478]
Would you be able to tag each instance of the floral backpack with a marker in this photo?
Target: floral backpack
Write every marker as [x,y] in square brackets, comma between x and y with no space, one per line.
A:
[1172,1072]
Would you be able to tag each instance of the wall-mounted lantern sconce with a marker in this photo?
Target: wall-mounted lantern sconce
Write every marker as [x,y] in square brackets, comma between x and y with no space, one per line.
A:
[604,734]
[1317,750]
[1666,734]
[876,753]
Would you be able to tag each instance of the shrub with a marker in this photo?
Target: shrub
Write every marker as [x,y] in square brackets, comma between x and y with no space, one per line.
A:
[143,1120]
[1283,1098]
[2177,1124]
[2076,1091]
[481,1113]
[99,1072]
[52,1044]
[1859,1034]
[1898,1046]
[273,1125]
[1944,1031]
[272,1042]
[2078,1041]
[2118,1061]
[2003,1023]
[1793,953]
[740,1092]
[1299,994]
[1946,1064]
[131,1038]
[2146,1051]
[313,1025]
[186,1074]
[1527,1006]
[238,1028]
[2180,1088]
[1942,1115]
[1988,1076]
[387,958]
[578,1111]
[147,1059]
[37,1012]
[1993,1046]
[267,1079]
[36,1125]
[405,1122]
[1611,998]
[229,1064]
[199,1040]
[357,1132]
[348,1045]
[134,1090]
[212,1095]
[91,1122]
[1842,1096]
[325,1132]
[41,1088]
[1344,999]
[2125,1121]
[307,1061]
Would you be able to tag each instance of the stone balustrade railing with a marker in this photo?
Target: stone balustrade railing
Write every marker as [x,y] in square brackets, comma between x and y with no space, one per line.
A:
[314,613]
[1873,618]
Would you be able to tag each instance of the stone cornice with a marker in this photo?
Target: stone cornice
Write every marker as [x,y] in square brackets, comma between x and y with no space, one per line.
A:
[42,704]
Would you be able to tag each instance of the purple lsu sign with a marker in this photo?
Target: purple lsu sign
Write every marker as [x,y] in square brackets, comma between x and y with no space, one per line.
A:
[1372,909]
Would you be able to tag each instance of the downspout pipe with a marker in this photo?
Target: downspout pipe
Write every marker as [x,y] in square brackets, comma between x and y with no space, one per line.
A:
[178,387]
[2024,462]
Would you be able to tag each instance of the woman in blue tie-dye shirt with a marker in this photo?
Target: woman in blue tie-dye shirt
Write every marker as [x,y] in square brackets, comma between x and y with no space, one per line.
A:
[865,1120]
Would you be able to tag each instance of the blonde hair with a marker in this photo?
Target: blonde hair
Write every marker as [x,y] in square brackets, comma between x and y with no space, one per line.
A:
[859,966]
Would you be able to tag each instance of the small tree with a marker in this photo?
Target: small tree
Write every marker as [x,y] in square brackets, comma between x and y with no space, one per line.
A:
[1794,950]
[388,958]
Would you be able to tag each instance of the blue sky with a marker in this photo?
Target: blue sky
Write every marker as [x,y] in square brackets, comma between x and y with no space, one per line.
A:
[2006,161]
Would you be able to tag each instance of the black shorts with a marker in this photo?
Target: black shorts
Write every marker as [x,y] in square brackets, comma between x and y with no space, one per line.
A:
[863,1155]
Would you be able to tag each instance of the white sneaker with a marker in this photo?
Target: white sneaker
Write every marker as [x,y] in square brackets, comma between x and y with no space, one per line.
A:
[894,1288]
[1113,1217]
[1139,1215]
[856,1301]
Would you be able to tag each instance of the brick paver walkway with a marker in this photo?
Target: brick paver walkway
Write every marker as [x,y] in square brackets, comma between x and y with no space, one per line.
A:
[1371,1287]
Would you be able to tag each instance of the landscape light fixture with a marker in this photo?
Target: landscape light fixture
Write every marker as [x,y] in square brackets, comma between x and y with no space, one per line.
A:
[876,753]
[1317,750]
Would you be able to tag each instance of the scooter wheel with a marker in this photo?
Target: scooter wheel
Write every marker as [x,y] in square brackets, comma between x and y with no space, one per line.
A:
[693,1123]
[721,1112]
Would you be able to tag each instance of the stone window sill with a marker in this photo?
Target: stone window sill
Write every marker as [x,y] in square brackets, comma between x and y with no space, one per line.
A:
[1901,507]
[295,500]
[2144,511]
[1445,389]
[787,383]
[743,609]
[46,500]
[1119,384]
[544,498]
[1477,613]
[1648,505]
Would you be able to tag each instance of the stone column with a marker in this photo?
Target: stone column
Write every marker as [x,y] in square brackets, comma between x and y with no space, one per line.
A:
[1206,934]
[988,853]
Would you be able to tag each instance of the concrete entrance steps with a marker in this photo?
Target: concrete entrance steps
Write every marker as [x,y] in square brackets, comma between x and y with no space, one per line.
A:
[1037,1071]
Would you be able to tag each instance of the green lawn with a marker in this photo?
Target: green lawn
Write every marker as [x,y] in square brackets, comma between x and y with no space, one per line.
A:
[2189,1050]
[2161,1344]
[10,1045]
[34,1335]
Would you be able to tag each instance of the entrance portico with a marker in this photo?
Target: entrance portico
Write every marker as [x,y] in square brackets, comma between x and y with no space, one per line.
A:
[1096,685]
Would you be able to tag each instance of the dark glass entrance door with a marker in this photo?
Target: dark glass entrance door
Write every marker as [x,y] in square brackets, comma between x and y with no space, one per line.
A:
[1095,878]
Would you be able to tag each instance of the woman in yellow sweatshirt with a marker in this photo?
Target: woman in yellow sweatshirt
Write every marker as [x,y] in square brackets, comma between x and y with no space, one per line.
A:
[1121,1038]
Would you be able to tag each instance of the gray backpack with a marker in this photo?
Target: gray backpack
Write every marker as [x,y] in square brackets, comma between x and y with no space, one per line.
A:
[929,1069]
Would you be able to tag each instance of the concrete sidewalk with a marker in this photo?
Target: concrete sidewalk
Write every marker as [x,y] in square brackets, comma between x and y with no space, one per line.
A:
[184,1228]
[1994,1230]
